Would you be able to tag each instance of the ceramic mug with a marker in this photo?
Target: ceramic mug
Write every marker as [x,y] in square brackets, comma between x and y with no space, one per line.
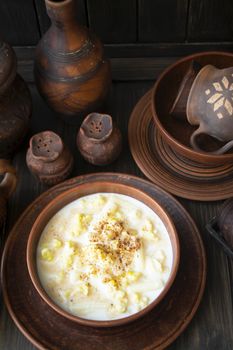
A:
[210,105]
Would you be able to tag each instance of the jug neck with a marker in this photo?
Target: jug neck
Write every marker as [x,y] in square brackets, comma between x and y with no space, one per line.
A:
[65,33]
[62,13]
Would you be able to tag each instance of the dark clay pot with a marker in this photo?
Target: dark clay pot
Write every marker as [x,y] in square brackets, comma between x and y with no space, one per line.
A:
[7,186]
[15,103]
[48,158]
[99,140]
[71,72]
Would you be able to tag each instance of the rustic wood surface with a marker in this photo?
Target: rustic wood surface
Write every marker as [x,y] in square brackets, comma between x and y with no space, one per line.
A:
[212,326]
[208,27]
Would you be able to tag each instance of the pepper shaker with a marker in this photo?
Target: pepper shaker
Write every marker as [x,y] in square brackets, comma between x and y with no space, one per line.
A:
[99,139]
[48,158]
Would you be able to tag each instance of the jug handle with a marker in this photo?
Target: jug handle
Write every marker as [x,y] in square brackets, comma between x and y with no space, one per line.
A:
[8,184]
[195,145]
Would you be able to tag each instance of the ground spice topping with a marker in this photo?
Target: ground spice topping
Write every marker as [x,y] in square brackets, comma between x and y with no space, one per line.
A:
[112,248]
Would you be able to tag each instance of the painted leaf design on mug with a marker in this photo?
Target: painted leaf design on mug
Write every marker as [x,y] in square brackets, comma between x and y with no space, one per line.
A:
[221,97]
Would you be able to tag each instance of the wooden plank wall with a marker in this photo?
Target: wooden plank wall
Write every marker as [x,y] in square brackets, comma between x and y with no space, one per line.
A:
[114,21]
[210,20]
[128,23]
[18,22]
[162,20]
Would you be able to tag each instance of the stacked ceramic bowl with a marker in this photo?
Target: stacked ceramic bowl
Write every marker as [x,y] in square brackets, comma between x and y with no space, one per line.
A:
[183,153]
[177,133]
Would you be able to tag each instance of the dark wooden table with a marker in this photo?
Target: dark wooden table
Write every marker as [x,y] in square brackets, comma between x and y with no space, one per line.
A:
[212,326]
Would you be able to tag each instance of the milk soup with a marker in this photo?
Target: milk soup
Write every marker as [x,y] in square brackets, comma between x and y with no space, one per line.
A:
[104,256]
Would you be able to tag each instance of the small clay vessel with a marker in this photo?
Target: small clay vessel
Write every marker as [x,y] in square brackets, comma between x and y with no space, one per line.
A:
[48,158]
[7,186]
[210,106]
[225,222]
[205,99]
[15,103]
[99,140]
[71,72]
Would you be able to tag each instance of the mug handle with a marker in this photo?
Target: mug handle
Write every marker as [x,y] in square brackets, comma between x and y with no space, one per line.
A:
[195,145]
[8,184]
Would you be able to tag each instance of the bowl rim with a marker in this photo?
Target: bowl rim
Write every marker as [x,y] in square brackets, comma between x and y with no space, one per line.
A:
[74,192]
[165,134]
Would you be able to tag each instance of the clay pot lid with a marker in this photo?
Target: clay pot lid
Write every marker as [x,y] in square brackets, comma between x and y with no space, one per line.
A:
[46,146]
[8,65]
[97,127]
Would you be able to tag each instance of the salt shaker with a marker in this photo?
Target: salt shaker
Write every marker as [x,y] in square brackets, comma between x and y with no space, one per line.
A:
[48,158]
[99,139]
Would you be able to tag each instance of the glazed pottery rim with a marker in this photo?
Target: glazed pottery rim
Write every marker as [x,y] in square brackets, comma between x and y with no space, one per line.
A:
[186,150]
[158,210]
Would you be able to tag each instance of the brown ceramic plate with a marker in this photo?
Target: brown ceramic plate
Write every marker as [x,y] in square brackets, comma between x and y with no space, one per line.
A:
[48,330]
[178,175]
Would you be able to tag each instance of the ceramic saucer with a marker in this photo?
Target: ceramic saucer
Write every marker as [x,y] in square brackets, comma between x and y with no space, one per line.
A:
[176,174]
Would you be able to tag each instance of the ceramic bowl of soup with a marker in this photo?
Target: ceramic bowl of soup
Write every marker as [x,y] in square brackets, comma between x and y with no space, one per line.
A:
[103,254]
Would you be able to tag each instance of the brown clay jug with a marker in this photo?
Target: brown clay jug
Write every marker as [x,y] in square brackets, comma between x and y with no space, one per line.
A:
[210,106]
[71,72]
[7,186]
